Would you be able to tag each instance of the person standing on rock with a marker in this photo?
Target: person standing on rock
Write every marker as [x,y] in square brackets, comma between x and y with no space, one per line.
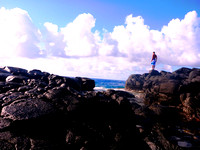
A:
[154,60]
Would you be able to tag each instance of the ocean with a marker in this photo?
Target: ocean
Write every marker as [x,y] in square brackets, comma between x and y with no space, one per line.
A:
[103,84]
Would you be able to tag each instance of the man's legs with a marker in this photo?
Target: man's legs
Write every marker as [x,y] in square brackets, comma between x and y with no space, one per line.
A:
[153,67]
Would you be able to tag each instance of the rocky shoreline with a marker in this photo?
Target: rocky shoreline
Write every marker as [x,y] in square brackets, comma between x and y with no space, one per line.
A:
[170,115]
[180,89]
[46,111]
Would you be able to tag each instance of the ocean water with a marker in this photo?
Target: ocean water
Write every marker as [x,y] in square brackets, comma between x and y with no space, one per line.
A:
[102,84]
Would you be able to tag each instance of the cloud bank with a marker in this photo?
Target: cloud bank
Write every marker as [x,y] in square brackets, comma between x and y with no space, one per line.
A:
[78,50]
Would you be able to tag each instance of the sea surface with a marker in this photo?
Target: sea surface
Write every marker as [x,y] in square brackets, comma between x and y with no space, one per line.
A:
[118,85]
[103,84]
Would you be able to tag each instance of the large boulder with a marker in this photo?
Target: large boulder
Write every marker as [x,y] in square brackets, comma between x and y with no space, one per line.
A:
[154,73]
[16,71]
[169,86]
[134,82]
[194,73]
[35,73]
[18,79]
[183,70]
[86,83]
[55,80]
[165,88]
[2,70]
[27,109]
[3,76]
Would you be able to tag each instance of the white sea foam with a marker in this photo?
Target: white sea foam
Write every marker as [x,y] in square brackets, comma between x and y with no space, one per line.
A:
[104,89]
[100,89]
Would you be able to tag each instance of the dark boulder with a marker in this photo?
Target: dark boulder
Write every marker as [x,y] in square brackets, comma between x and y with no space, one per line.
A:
[3,76]
[165,113]
[24,88]
[154,73]
[27,109]
[73,83]
[17,79]
[191,106]
[10,97]
[181,74]
[55,80]
[56,92]
[3,71]
[4,123]
[183,70]
[134,82]
[169,87]
[194,73]
[16,71]
[36,74]
[86,83]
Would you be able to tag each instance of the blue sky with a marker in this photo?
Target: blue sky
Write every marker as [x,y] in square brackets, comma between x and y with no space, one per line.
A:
[99,38]
[108,13]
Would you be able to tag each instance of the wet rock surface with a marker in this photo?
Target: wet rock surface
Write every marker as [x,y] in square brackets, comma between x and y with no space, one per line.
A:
[169,118]
[42,111]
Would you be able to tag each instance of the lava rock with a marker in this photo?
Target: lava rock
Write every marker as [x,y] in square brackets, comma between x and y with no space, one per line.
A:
[27,109]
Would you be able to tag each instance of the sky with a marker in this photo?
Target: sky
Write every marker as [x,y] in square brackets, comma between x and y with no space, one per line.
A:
[108,39]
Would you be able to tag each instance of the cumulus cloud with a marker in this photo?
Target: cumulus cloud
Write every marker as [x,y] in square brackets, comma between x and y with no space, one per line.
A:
[178,41]
[77,50]
[74,40]
[134,39]
[18,35]
[80,41]
[53,39]
[181,37]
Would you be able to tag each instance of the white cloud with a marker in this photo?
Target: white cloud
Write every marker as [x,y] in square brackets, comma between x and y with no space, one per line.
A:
[53,39]
[18,35]
[80,41]
[176,44]
[108,46]
[75,50]
[181,38]
[134,39]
